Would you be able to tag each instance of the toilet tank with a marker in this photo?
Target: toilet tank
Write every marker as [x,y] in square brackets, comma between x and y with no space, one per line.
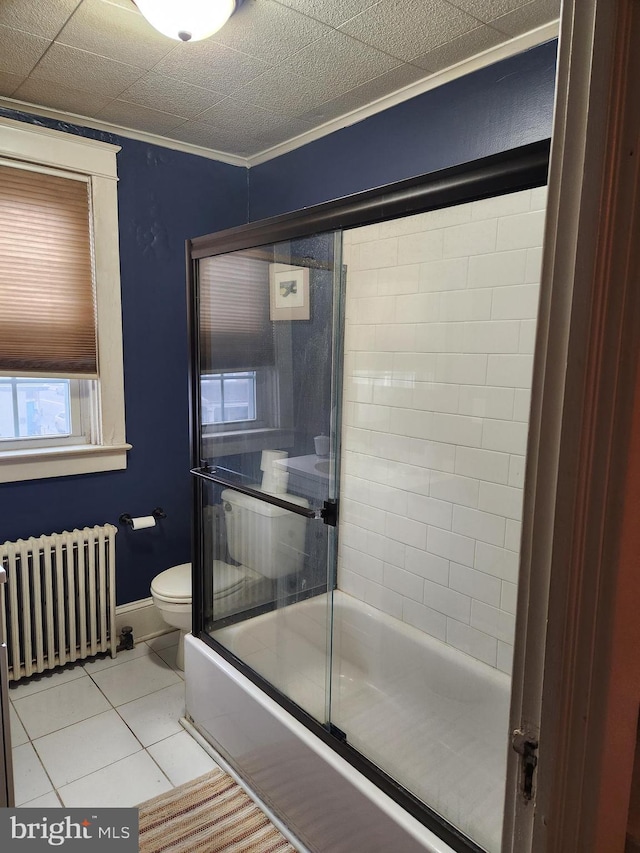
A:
[265,538]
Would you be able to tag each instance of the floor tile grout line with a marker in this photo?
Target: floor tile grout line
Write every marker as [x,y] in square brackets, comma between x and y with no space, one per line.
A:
[31,741]
[113,707]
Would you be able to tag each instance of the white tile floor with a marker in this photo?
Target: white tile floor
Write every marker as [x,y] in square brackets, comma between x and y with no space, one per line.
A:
[106,733]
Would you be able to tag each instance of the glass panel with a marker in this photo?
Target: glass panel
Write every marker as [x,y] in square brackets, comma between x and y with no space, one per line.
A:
[266,592]
[268,416]
[34,407]
[439,338]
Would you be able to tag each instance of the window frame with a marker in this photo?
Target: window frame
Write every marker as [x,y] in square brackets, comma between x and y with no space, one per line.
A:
[41,149]
[228,376]
[79,392]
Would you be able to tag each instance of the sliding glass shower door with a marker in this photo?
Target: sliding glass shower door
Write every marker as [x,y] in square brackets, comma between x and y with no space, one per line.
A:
[268,358]
[411,404]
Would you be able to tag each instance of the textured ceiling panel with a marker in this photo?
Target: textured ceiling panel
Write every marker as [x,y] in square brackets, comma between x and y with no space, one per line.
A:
[19,51]
[211,66]
[393,27]
[488,10]
[123,113]
[337,64]
[330,12]
[213,136]
[256,122]
[57,96]
[9,83]
[278,69]
[452,52]
[273,91]
[268,30]
[39,17]
[366,93]
[116,33]
[158,92]
[86,71]
[527,17]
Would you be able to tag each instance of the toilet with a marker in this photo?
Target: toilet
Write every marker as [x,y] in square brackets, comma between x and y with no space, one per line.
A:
[266,541]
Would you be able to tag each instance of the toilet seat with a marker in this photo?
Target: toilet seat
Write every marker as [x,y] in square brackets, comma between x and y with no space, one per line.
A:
[173,585]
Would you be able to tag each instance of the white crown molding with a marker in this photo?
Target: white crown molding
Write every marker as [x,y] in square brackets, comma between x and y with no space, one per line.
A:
[432,81]
[467,66]
[126,132]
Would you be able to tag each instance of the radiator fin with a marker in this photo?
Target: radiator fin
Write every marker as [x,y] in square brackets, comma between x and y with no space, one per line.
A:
[59,603]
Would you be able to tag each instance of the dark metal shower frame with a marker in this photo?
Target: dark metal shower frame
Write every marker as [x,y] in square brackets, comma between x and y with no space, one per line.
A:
[511,171]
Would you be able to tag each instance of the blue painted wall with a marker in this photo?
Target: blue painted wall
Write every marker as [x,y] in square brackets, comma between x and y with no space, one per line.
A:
[164,197]
[494,109]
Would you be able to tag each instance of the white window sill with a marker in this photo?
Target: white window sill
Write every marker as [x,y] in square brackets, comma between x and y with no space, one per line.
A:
[41,462]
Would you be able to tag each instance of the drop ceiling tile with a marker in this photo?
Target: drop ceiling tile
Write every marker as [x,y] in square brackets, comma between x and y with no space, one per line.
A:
[86,71]
[488,10]
[9,83]
[211,66]
[528,17]
[330,13]
[169,95]
[273,91]
[42,18]
[19,52]
[289,129]
[217,138]
[338,63]
[57,96]
[365,94]
[408,28]
[269,31]
[256,122]
[139,118]
[115,32]
[453,52]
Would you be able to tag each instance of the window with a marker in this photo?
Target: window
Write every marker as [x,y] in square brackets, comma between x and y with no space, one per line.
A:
[39,409]
[228,398]
[59,306]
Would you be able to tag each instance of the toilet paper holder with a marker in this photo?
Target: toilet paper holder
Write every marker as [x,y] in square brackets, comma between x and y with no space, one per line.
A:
[127,518]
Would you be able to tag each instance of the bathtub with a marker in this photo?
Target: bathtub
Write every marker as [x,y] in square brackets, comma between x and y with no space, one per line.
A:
[433,718]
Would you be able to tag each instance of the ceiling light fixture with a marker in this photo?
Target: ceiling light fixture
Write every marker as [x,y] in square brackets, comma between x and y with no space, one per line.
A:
[188,20]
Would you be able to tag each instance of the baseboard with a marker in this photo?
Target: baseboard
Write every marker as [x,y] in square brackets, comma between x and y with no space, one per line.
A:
[143,617]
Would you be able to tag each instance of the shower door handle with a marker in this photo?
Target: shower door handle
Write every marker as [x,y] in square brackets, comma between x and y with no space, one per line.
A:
[328,513]
[214,477]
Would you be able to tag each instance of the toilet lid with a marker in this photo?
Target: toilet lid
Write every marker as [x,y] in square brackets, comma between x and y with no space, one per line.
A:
[174,584]
[227,578]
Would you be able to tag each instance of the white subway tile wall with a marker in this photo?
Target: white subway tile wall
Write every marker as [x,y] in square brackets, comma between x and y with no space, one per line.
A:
[440,329]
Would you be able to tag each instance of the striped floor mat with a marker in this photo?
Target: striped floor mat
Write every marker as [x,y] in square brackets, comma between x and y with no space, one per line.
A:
[212,814]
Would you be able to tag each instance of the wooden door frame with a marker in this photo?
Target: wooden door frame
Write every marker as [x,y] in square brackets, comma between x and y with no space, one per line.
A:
[579,564]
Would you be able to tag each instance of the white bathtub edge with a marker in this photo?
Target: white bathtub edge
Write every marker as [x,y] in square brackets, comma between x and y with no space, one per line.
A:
[231,771]
[421,834]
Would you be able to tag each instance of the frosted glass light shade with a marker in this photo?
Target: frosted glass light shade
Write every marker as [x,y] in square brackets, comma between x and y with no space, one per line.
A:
[187,20]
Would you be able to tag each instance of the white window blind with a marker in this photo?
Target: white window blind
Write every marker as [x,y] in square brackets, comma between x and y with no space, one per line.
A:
[235,327]
[47,301]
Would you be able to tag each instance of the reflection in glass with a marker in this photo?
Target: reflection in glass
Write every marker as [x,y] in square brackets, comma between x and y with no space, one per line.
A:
[266,331]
